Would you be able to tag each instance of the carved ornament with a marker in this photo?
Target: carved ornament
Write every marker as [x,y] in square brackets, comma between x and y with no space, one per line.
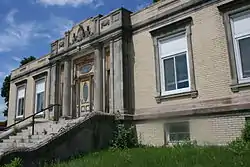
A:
[105,23]
[81,34]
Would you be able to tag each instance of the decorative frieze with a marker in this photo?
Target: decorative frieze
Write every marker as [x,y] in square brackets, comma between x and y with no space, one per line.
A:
[115,17]
[60,44]
[105,23]
[54,48]
[81,34]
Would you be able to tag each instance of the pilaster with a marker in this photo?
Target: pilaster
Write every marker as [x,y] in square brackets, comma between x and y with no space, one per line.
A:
[98,78]
[54,89]
[67,88]
[111,104]
[118,75]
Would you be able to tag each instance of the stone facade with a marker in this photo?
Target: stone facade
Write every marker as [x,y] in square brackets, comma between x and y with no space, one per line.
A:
[112,64]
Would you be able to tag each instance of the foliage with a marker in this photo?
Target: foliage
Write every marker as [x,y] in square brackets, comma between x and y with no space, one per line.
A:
[27,60]
[239,146]
[162,157]
[6,84]
[124,137]
[5,92]
[17,162]
[246,132]
[154,1]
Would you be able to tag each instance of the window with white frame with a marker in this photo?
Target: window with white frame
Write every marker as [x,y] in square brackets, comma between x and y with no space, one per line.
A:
[177,132]
[174,66]
[20,102]
[40,93]
[240,24]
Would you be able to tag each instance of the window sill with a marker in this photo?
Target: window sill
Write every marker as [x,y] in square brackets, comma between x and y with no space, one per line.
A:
[19,118]
[192,94]
[173,143]
[237,87]
[40,115]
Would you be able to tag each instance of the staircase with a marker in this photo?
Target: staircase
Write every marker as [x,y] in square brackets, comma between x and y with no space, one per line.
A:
[57,140]
[44,130]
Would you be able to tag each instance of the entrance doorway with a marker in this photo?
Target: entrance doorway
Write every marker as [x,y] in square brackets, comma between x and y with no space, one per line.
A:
[86,94]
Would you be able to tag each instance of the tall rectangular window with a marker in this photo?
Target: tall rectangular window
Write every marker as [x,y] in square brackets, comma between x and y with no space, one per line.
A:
[174,64]
[240,24]
[40,92]
[20,102]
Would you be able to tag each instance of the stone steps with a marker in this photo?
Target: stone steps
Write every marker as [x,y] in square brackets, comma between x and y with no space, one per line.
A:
[19,137]
[43,130]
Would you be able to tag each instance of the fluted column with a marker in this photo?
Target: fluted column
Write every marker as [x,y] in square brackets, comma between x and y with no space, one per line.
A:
[66,88]
[98,79]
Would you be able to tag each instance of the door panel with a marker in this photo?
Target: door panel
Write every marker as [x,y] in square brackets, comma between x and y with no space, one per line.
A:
[85,91]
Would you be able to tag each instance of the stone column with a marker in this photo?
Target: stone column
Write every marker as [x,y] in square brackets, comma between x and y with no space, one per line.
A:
[98,79]
[103,79]
[111,103]
[67,88]
[54,89]
[73,91]
[118,76]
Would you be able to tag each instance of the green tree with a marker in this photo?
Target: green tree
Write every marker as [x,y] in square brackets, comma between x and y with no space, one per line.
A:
[27,60]
[154,1]
[5,92]
[6,83]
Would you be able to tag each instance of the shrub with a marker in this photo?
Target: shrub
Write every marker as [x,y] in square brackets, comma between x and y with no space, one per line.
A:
[17,162]
[239,146]
[124,137]
[246,133]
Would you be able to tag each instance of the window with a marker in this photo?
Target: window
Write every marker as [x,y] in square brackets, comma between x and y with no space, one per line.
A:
[240,24]
[177,132]
[20,102]
[40,91]
[174,64]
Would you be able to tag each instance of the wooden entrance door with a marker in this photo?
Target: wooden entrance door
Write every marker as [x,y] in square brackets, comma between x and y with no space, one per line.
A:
[86,94]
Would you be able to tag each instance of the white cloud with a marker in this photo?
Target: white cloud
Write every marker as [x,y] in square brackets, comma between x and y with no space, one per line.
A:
[60,25]
[2,106]
[18,59]
[141,6]
[19,35]
[73,3]
[98,4]
[10,16]
[2,74]
[15,34]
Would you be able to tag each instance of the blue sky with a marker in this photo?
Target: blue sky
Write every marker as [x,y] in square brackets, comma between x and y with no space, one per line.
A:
[27,27]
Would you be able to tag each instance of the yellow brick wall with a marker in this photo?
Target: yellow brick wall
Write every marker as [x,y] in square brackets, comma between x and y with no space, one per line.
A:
[210,56]
[204,130]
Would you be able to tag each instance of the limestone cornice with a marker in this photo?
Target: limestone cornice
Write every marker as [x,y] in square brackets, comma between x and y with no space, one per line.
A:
[182,9]
[233,5]
[29,72]
[92,42]
[215,107]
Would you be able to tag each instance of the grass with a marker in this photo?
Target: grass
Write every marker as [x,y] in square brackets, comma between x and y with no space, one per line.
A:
[162,157]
